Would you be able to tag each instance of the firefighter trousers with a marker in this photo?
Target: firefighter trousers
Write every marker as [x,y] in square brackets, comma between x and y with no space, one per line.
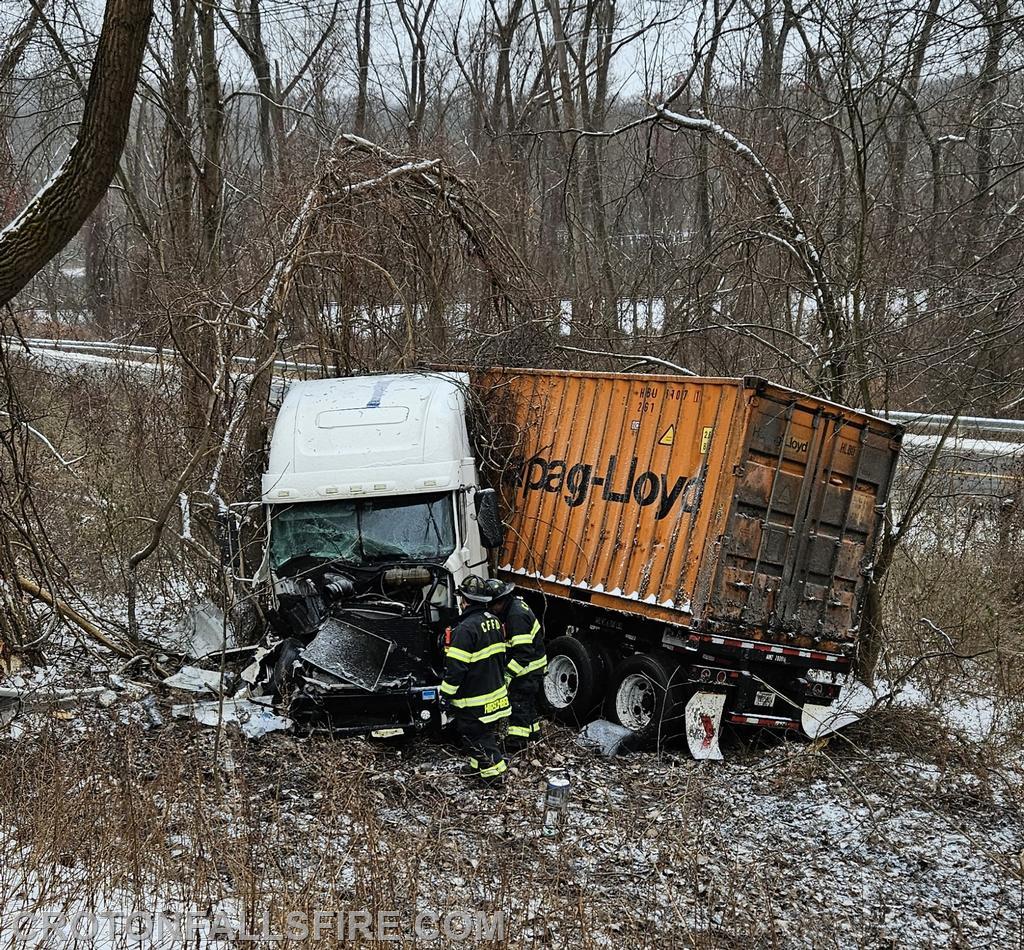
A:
[480,740]
[523,723]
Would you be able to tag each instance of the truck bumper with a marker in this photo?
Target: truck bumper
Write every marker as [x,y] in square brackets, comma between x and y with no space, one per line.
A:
[382,714]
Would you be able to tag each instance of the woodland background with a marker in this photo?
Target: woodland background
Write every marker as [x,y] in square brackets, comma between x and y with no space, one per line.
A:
[826,194]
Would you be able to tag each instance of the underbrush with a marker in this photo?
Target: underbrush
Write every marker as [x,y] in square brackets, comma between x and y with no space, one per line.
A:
[774,848]
[116,817]
[659,851]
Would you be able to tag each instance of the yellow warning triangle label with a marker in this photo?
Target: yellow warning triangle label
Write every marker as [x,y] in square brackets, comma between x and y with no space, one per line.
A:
[668,437]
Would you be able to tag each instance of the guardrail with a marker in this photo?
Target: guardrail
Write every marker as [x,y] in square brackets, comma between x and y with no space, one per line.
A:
[915,421]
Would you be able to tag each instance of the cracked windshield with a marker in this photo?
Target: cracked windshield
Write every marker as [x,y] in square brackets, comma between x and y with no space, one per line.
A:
[364,531]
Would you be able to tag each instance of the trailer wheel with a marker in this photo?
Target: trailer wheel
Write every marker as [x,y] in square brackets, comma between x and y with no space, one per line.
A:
[643,698]
[573,681]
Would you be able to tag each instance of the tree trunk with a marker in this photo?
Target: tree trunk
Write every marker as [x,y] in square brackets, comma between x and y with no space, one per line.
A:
[178,130]
[57,212]
[362,64]
[869,649]
[995,25]
[211,183]
[898,163]
[97,268]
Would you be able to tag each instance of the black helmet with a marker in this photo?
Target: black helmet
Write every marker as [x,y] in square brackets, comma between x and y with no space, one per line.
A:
[498,588]
[474,589]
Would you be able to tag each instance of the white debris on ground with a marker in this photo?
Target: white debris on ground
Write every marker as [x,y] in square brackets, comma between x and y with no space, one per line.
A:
[857,842]
[194,679]
[202,631]
[255,717]
[972,713]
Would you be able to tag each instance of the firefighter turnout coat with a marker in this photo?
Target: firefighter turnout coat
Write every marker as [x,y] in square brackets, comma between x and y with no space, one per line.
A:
[474,669]
[524,640]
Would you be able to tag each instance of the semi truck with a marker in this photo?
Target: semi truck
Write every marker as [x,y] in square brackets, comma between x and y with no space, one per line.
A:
[697,549]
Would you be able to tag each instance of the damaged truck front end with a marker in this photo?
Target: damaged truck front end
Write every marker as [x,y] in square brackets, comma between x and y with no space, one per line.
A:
[373,515]
[361,596]
[367,664]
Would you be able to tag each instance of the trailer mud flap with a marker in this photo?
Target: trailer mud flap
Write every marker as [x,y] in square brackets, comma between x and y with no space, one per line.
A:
[703,725]
[817,721]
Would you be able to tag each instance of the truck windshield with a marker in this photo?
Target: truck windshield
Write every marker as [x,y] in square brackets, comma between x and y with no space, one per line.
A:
[365,531]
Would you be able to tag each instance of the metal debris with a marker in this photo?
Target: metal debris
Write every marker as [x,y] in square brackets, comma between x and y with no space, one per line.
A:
[349,652]
[254,717]
[192,679]
[606,738]
[202,631]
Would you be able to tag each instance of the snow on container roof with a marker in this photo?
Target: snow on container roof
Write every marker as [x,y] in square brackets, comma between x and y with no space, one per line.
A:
[394,434]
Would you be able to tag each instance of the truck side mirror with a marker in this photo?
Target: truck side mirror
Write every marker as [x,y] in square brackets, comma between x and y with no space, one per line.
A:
[488,517]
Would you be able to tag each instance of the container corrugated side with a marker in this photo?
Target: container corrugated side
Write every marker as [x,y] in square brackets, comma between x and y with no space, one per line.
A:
[615,490]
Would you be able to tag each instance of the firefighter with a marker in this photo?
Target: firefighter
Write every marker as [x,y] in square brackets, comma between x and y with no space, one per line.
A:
[527,661]
[474,681]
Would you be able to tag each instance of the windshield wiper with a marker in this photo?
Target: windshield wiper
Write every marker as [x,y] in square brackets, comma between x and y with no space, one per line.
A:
[433,524]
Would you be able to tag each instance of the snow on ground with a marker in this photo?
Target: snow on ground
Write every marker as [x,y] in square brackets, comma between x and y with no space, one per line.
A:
[780,847]
[860,842]
[971,713]
[863,841]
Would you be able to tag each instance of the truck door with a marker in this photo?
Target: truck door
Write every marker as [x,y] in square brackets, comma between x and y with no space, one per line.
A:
[804,519]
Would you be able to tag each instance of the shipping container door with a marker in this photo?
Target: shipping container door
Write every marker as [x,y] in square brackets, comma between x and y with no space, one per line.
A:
[804,519]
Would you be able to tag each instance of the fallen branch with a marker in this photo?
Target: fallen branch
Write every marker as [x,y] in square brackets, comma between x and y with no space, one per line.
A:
[69,613]
[637,357]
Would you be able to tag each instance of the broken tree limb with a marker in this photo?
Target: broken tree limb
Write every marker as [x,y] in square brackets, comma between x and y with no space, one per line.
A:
[795,239]
[69,613]
[636,357]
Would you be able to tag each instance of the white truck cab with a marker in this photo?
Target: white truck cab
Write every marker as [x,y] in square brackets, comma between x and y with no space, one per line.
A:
[384,460]
[374,517]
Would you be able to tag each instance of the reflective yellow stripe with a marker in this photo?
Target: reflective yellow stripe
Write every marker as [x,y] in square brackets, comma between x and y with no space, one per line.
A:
[520,670]
[523,731]
[540,664]
[485,700]
[523,638]
[474,763]
[494,770]
[495,716]
[535,727]
[493,650]
[448,689]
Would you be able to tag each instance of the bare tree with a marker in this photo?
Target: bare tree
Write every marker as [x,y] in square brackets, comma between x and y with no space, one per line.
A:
[363,33]
[415,16]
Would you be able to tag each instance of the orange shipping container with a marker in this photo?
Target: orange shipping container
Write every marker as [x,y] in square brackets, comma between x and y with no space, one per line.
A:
[718,504]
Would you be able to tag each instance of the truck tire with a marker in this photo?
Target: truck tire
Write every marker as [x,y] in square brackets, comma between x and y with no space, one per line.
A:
[574,681]
[644,697]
